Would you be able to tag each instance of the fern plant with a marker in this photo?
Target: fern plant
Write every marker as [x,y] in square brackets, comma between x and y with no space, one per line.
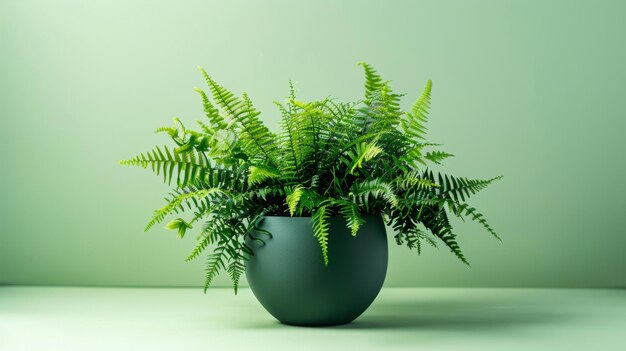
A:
[330,158]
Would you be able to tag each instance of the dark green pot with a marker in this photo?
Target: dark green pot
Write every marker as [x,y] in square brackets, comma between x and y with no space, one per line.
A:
[287,273]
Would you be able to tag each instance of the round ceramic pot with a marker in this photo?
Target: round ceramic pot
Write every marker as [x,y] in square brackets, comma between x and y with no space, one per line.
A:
[288,276]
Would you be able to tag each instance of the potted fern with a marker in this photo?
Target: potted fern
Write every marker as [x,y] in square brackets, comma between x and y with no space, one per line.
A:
[302,212]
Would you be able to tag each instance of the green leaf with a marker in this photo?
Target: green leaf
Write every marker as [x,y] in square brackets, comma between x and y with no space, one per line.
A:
[373,81]
[436,220]
[183,167]
[364,152]
[235,269]
[460,188]
[212,113]
[437,156]
[293,199]
[215,263]
[206,237]
[179,224]
[175,204]
[350,212]
[320,230]
[256,138]
[376,189]
[259,174]
[414,123]
[466,210]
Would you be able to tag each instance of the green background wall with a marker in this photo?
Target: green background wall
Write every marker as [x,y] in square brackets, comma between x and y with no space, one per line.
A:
[533,90]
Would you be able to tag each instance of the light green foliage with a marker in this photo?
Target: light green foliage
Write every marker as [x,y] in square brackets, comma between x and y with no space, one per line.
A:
[293,199]
[258,174]
[179,224]
[351,213]
[363,153]
[180,166]
[320,229]
[437,156]
[329,159]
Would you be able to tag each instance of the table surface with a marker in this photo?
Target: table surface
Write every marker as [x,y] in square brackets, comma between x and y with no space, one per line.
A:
[64,318]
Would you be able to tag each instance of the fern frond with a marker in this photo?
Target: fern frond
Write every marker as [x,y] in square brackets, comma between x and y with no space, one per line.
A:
[309,200]
[319,220]
[212,113]
[467,210]
[188,145]
[182,167]
[414,239]
[350,212]
[200,246]
[307,130]
[339,152]
[289,141]
[373,81]
[206,237]
[436,220]
[205,128]
[235,269]
[256,137]
[459,188]
[363,152]
[381,112]
[361,192]
[293,199]
[259,174]
[176,202]
[415,181]
[414,124]
[171,131]
[437,156]
[215,263]
[338,127]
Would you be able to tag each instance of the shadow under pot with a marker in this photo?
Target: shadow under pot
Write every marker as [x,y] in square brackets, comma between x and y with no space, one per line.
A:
[288,276]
